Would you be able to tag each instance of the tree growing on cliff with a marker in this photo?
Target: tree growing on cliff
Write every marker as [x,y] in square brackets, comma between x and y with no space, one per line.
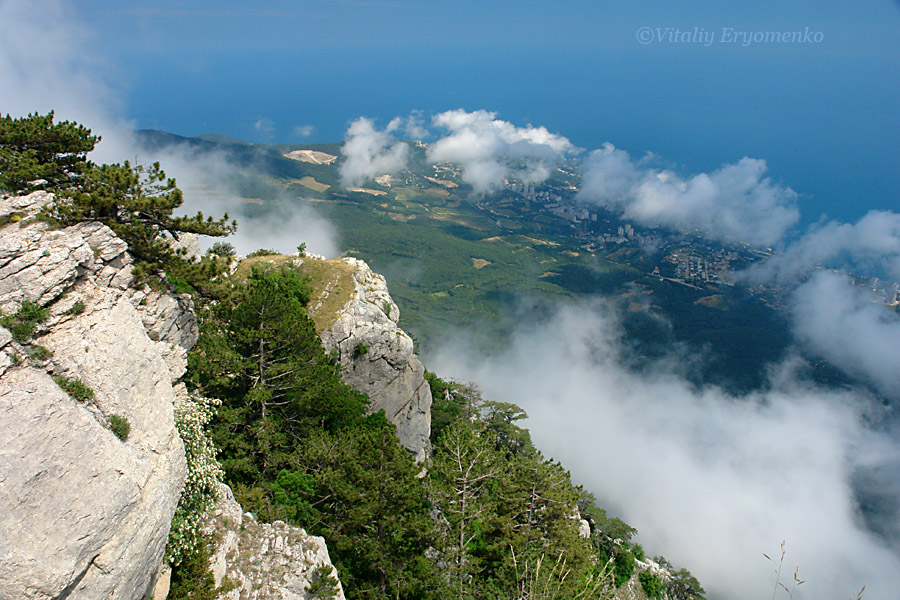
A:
[137,202]
[35,148]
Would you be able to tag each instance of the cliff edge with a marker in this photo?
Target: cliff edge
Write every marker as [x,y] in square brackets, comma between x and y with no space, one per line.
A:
[378,358]
[84,512]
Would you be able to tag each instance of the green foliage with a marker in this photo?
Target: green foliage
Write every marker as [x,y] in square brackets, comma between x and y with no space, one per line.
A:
[291,492]
[447,403]
[23,324]
[39,354]
[296,443]
[34,148]
[360,349]
[13,217]
[76,308]
[684,586]
[541,582]
[200,491]
[192,578]
[224,249]
[623,565]
[652,584]
[463,470]
[137,203]
[372,510]
[267,363]
[324,584]
[262,252]
[120,426]
[74,387]
[638,552]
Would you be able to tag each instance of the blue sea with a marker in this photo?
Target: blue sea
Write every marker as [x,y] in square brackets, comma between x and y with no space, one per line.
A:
[828,126]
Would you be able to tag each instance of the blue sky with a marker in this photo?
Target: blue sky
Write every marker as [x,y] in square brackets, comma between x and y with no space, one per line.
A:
[823,114]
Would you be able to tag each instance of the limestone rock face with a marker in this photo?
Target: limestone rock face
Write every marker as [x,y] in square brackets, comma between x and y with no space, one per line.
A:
[84,514]
[377,358]
[264,561]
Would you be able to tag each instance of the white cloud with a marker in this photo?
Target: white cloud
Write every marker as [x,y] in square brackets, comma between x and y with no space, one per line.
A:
[369,152]
[735,203]
[841,323]
[304,131]
[412,126]
[872,243]
[710,480]
[265,127]
[483,145]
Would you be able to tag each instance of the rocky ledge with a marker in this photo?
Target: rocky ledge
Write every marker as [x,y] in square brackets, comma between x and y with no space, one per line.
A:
[378,358]
[262,561]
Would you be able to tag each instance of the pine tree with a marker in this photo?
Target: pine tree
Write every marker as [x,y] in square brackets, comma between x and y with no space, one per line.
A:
[137,203]
[260,354]
[465,466]
[372,510]
[35,148]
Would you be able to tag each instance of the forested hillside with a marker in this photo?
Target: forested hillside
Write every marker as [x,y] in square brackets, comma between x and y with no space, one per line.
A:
[485,516]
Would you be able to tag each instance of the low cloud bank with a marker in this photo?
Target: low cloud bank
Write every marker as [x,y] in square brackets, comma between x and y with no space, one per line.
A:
[735,203]
[844,325]
[210,181]
[369,152]
[710,480]
[485,145]
[872,244]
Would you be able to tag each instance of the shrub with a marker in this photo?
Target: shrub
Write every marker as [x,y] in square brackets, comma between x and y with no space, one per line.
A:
[193,578]
[77,308]
[39,354]
[225,249]
[201,484]
[75,388]
[651,584]
[360,350]
[23,323]
[324,584]
[638,552]
[120,426]
[262,252]
[623,566]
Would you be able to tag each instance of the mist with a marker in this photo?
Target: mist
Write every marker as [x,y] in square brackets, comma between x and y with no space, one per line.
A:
[65,74]
[710,480]
[211,184]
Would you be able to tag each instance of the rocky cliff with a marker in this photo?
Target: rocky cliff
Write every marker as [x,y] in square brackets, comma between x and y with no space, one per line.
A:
[262,561]
[378,358]
[83,513]
[85,507]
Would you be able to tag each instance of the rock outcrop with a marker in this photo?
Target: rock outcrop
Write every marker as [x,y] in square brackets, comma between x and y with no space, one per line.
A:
[377,358]
[261,561]
[83,513]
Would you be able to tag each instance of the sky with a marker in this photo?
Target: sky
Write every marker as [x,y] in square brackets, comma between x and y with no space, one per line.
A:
[821,112]
[790,144]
